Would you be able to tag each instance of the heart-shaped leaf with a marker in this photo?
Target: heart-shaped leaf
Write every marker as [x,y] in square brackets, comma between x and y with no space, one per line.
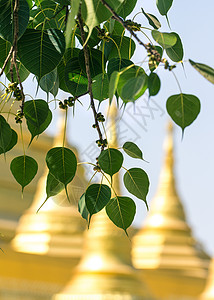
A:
[164,6]
[121,211]
[24,169]
[5,134]
[100,87]
[41,51]
[48,81]
[12,143]
[154,84]
[53,186]
[82,208]
[137,183]
[133,87]
[126,8]
[206,71]
[110,161]
[133,150]
[176,52]
[153,21]
[36,112]
[165,39]
[119,46]
[183,109]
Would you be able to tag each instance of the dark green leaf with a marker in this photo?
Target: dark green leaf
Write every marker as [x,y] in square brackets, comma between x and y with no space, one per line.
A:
[71,21]
[114,27]
[96,197]
[117,64]
[96,64]
[152,63]
[12,143]
[121,211]
[23,72]
[133,150]
[82,207]
[153,21]
[176,52]
[48,81]
[126,8]
[137,183]
[75,79]
[163,6]
[110,161]
[113,84]
[165,39]
[133,88]
[62,163]
[100,86]
[154,84]
[183,109]
[6,16]
[93,40]
[5,134]
[206,71]
[54,90]
[36,112]
[53,186]
[41,51]
[125,47]
[24,169]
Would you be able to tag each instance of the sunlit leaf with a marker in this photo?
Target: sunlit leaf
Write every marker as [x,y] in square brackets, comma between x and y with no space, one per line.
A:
[53,186]
[165,39]
[24,169]
[133,87]
[154,84]
[82,207]
[176,52]
[48,81]
[110,161]
[153,21]
[121,211]
[100,86]
[74,7]
[183,109]
[206,71]
[113,84]
[121,46]
[117,64]
[5,134]
[133,150]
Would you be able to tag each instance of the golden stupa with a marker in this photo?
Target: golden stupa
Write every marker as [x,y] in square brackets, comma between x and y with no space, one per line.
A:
[105,270]
[208,293]
[173,264]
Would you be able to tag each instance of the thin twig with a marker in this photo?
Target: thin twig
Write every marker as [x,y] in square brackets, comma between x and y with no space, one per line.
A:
[6,60]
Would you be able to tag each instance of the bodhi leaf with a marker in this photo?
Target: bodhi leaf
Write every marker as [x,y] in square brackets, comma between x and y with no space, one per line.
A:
[165,39]
[12,143]
[206,71]
[117,64]
[153,21]
[53,186]
[113,84]
[96,198]
[71,21]
[137,183]
[133,150]
[110,161]
[176,52]
[126,8]
[163,7]
[100,87]
[82,207]
[5,134]
[24,169]
[41,51]
[183,109]
[36,112]
[133,87]
[48,81]
[125,47]
[121,211]
[96,64]
[154,84]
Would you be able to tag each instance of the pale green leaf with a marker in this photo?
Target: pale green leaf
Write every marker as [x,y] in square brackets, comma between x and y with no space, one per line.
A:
[153,21]
[165,39]
[206,71]
[133,150]
[100,87]
[176,52]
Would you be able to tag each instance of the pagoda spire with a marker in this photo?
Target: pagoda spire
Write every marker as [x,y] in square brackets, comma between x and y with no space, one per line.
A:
[106,271]
[173,263]
[208,293]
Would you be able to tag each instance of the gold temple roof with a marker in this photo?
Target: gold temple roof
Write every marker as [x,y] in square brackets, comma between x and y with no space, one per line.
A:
[208,293]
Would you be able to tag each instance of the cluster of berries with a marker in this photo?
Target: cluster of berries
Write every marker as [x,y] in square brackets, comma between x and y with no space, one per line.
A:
[67,102]
[103,35]
[132,25]
[19,116]
[13,87]
[102,142]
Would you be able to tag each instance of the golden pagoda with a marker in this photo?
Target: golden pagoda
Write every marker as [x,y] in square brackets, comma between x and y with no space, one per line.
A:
[173,264]
[208,293]
[105,270]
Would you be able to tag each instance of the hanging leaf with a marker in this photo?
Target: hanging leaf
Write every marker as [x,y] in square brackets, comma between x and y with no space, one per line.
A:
[71,21]
[100,87]
[153,21]
[121,211]
[82,207]
[62,163]
[96,198]
[23,72]
[48,81]
[117,64]
[133,88]
[165,39]
[41,51]
[113,84]
[12,143]
[176,52]
[54,90]
[206,71]
[110,161]
[6,16]
[133,150]
[92,41]
[97,61]
[163,7]
[24,169]
[154,84]
[126,8]
[183,109]
[36,112]
[125,47]
[114,27]
[152,63]
[137,183]
[5,134]
[53,186]
[75,79]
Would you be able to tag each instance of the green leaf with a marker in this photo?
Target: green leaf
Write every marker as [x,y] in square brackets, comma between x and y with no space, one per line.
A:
[126,8]
[100,87]
[36,130]
[36,112]
[53,186]
[71,21]
[154,84]
[133,150]
[165,39]
[75,79]
[92,41]
[6,16]
[110,161]
[122,47]
[183,109]
[113,84]
[176,52]
[24,169]
[206,71]
[62,163]
[5,134]
[121,211]
[23,72]
[41,51]
[54,90]
[117,64]
[164,6]
[96,197]
[96,64]
[82,207]
[12,143]
[153,64]
[137,183]
[133,88]
[48,81]
[95,13]
[153,21]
